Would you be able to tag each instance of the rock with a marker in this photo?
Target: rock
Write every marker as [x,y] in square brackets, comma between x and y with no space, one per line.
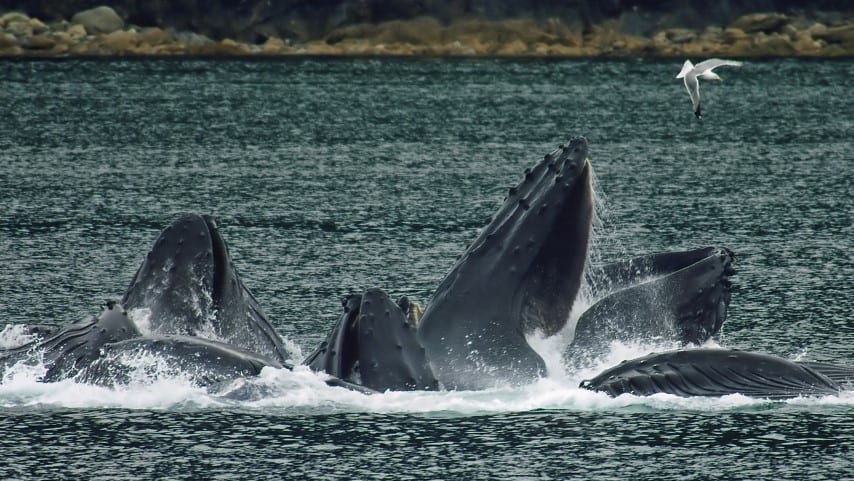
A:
[192,39]
[774,45]
[226,47]
[565,34]
[817,28]
[7,40]
[760,22]
[155,36]
[274,46]
[319,48]
[790,31]
[513,48]
[99,20]
[60,26]
[13,51]
[843,34]
[733,34]
[169,49]
[120,41]
[60,48]
[10,17]
[39,42]
[76,32]
[803,43]
[20,28]
[564,50]
[418,31]
[362,31]
[680,35]
[38,26]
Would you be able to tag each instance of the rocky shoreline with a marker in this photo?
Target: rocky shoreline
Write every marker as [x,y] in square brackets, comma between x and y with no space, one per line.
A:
[102,32]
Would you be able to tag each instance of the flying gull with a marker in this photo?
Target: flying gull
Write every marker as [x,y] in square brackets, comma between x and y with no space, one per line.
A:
[703,70]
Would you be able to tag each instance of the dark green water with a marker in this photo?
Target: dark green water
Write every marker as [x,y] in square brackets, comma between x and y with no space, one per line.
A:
[332,176]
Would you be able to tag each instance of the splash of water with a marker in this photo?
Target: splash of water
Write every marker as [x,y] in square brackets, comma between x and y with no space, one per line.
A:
[15,335]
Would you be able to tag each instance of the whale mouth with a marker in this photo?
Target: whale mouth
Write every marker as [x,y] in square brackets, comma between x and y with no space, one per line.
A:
[521,274]
[189,287]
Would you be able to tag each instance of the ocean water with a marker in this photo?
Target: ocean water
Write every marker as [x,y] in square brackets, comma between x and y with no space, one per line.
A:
[331,176]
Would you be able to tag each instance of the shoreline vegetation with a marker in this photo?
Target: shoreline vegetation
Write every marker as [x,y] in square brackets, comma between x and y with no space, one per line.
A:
[102,32]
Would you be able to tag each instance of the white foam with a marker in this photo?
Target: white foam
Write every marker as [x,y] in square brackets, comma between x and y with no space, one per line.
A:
[304,391]
[15,335]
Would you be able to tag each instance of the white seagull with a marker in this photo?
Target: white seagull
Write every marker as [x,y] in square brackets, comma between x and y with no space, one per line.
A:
[702,70]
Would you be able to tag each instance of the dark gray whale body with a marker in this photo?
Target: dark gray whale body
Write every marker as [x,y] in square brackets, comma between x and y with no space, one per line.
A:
[679,296]
[718,372]
[521,275]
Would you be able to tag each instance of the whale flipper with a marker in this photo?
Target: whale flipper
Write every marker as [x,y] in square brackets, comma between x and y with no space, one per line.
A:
[189,286]
[714,372]
[679,296]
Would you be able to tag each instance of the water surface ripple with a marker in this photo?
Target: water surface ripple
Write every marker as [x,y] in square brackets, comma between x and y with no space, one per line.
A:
[329,176]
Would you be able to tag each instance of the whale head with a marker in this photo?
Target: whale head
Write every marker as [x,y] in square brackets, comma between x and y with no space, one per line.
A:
[521,274]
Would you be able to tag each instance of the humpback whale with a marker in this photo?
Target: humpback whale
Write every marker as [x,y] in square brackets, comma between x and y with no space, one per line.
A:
[718,372]
[522,274]
[186,311]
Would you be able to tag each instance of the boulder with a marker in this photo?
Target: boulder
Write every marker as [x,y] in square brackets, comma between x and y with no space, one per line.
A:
[192,39]
[513,48]
[274,46]
[733,35]
[7,40]
[760,22]
[843,34]
[680,35]
[774,45]
[99,20]
[20,28]
[155,36]
[38,26]
[39,42]
[120,41]
[11,51]
[10,17]
[76,32]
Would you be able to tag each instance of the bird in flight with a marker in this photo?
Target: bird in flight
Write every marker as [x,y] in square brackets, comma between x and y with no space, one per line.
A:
[692,73]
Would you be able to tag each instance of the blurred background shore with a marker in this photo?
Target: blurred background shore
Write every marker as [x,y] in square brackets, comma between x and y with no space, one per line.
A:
[438,28]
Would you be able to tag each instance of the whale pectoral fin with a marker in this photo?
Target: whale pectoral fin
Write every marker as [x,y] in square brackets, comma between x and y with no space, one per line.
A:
[614,276]
[390,356]
[681,296]
[189,286]
[700,295]
[713,372]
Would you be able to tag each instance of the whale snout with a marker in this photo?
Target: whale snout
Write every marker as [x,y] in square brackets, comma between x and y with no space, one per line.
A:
[574,153]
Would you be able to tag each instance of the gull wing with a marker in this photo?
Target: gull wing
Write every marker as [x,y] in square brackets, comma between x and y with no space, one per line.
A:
[693,86]
[713,63]
[686,67]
